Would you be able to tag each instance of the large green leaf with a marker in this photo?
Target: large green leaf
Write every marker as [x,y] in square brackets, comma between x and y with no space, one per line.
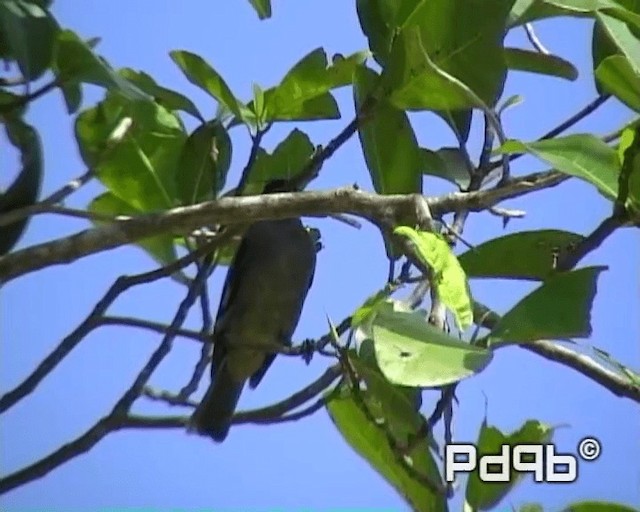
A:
[616,76]
[388,142]
[286,161]
[540,63]
[303,94]
[449,277]
[204,163]
[584,156]
[416,82]
[559,308]
[27,34]
[620,34]
[410,352]
[75,62]
[486,495]
[474,55]
[200,73]
[26,187]
[527,255]
[370,441]
[168,98]
[141,168]
[160,248]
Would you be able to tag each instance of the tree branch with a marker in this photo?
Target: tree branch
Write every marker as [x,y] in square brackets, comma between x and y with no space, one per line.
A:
[379,209]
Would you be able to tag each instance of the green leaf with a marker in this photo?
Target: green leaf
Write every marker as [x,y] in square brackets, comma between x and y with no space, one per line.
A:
[531,507]
[525,11]
[72,94]
[27,31]
[584,156]
[387,402]
[559,308]
[415,82]
[527,255]
[370,305]
[286,161]
[449,277]
[616,76]
[536,62]
[410,352]
[620,34]
[168,98]
[397,412]
[262,7]
[26,187]
[486,495]
[204,163]
[75,62]
[629,183]
[370,442]
[447,163]
[160,248]
[141,168]
[303,94]
[388,143]
[598,506]
[258,104]
[474,56]
[201,74]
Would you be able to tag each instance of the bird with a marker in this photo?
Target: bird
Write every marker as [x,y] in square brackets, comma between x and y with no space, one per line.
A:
[261,303]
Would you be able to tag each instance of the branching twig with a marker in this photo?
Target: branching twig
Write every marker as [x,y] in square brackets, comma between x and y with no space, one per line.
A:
[590,243]
[91,322]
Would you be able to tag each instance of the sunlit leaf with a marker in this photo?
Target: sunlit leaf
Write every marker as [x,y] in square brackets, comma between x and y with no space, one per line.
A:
[449,277]
[411,352]
[584,156]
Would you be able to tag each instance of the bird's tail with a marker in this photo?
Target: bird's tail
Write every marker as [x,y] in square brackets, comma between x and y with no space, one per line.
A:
[213,415]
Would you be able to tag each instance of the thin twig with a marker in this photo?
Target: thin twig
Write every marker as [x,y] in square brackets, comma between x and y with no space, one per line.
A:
[565,125]
[533,39]
[91,322]
[43,206]
[590,243]
[151,326]
[253,154]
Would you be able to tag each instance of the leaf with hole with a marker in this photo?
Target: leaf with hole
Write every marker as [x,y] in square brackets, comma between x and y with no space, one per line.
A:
[411,352]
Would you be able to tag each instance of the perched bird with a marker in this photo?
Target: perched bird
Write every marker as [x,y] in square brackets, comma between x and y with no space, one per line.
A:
[261,302]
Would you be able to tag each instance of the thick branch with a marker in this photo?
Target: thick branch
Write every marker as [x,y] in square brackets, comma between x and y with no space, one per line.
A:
[380,209]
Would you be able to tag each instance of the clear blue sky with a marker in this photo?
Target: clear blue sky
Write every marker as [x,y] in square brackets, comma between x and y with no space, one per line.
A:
[306,464]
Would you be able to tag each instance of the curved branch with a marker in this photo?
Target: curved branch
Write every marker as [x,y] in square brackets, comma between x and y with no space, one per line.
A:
[379,209]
